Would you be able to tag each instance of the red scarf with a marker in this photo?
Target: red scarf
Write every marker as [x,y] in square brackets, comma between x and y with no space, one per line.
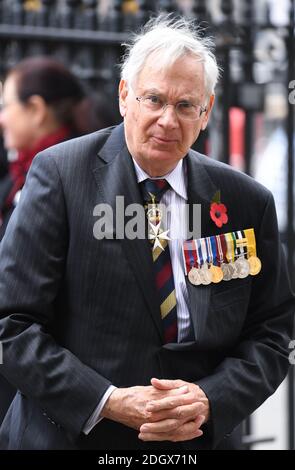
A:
[19,168]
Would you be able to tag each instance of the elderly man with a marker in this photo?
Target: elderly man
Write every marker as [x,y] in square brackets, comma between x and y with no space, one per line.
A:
[119,343]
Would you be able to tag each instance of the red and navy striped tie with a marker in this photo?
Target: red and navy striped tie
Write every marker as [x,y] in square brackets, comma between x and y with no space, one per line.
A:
[152,191]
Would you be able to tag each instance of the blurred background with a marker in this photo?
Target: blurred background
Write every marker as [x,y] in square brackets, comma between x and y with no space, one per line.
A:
[252,126]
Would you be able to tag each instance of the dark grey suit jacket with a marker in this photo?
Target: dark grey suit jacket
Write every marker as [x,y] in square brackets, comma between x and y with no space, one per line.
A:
[78,314]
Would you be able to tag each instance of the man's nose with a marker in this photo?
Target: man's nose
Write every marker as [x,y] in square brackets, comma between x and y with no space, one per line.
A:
[168,117]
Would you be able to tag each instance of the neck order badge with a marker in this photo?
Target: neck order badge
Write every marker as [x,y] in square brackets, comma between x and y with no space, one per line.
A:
[152,191]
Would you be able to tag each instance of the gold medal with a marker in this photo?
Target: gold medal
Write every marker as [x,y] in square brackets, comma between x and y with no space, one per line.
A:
[253,260]
[216,274]
[255,265]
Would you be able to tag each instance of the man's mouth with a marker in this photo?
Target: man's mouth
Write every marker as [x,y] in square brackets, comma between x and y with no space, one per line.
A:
[163,140]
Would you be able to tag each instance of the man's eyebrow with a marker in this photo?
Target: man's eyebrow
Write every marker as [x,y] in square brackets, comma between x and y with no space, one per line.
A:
[153,91]
[157,92]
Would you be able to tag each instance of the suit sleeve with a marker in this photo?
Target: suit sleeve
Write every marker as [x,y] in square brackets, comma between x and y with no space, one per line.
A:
[32,263]
[258,363]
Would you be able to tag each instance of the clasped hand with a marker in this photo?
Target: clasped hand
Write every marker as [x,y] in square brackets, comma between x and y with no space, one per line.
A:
[167,410]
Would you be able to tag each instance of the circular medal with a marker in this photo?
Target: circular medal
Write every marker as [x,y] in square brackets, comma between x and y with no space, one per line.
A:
[243,267]
[205,275]
[255,265]
[194,276]
[235,271]
[216,274]
[227,270]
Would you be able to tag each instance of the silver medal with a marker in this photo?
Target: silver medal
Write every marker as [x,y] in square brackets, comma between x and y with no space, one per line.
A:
[243,267]
[205,275]
[235,273]
[194,276]
[228,271]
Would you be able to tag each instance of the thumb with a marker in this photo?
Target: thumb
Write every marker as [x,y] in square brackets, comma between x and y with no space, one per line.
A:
[163,384]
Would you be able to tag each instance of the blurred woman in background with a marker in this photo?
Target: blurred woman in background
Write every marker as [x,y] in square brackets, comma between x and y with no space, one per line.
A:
[43,104]
[40,108]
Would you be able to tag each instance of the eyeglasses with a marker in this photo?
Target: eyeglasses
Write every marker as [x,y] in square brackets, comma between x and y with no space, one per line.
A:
[184,109]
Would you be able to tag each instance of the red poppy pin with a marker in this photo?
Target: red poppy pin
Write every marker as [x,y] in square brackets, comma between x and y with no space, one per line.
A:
[218,211]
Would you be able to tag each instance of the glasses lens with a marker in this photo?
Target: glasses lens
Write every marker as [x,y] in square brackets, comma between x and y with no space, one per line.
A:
[152,103]
[188,111]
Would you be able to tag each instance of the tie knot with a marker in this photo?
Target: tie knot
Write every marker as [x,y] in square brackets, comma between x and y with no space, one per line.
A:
[154,189]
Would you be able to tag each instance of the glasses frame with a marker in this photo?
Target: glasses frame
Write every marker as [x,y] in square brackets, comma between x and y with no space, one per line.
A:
[203,109]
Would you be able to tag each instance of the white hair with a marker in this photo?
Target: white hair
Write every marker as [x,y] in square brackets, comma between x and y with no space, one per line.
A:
[173,39]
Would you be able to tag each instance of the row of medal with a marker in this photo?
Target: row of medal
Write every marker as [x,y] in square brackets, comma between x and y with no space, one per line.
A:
[221,257]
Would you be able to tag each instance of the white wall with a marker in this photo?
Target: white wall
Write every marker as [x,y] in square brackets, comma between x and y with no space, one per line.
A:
[270,420]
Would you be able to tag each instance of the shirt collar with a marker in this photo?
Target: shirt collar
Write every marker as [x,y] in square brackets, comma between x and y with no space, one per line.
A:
[176,178]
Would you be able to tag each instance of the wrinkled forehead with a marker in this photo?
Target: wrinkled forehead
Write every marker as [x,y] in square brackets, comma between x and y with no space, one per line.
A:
[185,73]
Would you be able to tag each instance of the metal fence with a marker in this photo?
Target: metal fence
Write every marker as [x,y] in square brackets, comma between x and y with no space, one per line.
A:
[254,46]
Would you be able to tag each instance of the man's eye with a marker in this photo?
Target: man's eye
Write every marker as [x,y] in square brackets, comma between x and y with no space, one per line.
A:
[153,99]
[184,105]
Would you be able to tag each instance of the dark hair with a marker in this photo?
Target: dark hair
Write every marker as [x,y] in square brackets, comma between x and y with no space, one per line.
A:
[48,78]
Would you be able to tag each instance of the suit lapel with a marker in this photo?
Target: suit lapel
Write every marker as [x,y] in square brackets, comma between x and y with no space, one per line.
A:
[200,191]
[115,176]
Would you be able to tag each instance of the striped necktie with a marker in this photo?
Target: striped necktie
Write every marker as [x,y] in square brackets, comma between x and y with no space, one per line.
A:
[152,191]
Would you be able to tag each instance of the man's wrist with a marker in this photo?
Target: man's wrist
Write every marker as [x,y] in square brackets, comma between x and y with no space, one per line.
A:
[113,403]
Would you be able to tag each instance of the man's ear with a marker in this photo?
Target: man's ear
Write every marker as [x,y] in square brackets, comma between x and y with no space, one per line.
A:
[207,112]
[123,92]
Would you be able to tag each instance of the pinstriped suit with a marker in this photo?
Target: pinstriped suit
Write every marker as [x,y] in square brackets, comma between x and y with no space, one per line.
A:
[78,314]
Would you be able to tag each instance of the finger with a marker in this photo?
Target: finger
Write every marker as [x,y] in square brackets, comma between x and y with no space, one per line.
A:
[165,426]
[189,430]
[185,412]
[164,384]
[172,419]
[158,395]
[171,402]
[177,391]
[168,437]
